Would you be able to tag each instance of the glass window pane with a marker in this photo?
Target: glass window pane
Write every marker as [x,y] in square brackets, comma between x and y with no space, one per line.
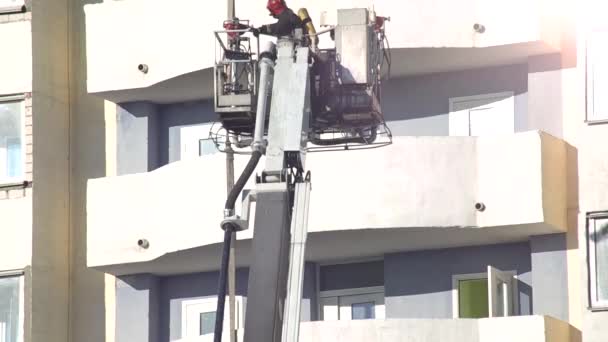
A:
[207,323]
[11,146]
[601,258]
[473,298]
[206,147]
[599,78]
[363,310]
[10,326]
[500,300]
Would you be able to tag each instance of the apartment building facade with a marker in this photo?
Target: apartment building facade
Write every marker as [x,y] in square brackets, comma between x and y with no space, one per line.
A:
[483,221]
[46,291]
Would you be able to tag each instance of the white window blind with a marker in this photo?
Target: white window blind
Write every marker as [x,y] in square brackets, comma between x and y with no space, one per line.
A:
[11,309]
[598,260]
[12,151]
[597,76]
[11,6]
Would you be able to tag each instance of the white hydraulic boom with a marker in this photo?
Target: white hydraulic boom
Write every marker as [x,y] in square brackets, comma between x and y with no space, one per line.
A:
[293,100]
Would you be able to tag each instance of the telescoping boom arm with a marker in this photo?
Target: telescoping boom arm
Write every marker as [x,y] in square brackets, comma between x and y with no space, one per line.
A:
[295,99]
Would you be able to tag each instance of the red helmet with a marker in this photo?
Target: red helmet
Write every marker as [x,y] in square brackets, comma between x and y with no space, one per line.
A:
[276,7]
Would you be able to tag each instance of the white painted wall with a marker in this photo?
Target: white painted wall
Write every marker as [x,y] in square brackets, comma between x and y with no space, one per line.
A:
[175,37]
[437,23]
[16,230]
[172,37]
[588,164]
[417,182]
[521,329]
[16,60]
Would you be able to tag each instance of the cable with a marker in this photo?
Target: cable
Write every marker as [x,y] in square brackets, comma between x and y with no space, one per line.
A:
[221,299]
[229,229]
[240,183]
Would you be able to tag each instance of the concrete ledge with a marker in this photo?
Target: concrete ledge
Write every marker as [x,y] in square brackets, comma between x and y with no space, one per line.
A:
[509,329]
[426,37]
[418,193]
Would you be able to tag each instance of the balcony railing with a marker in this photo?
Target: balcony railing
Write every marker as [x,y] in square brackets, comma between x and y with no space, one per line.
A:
[173,39]
[419,192]
[508,329]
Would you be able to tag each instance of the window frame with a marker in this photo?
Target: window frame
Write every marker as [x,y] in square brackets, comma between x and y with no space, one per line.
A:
[454,116]
[594,303]
[353,291]
[335,295]
[195,134]
[8,7]
[20,98]
[456,278]
[591,119]
[212,301]
[20,274]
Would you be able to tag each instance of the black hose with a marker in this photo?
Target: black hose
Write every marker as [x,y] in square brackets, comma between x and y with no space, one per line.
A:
[221,299]
[228,231]
[240,183]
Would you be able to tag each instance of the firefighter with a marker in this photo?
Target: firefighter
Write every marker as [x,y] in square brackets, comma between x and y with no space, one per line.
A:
[288,21]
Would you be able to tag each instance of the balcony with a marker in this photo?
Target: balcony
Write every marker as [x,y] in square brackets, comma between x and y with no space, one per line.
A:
[174,38]
[419,193]
[16,66]
[521,329]
[508,329]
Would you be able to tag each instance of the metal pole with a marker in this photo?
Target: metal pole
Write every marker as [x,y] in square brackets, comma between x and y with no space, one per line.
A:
[232,262]
[231,11]
[230,185]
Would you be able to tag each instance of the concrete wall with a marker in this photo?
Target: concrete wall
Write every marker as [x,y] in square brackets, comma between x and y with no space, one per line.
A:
[182,46]
[417,106]
[420,105]
[439,24]
[137,138]
[137,318]
[174,290]
[524,329]
[588,169]
[176,62]
[419,284]
[418,189]
[352,275]
[66,298]
[86,146]
[173,118]
[550,276]
[51,200]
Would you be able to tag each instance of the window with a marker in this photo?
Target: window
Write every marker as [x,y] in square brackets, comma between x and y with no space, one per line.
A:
[195,141]
[597,76]
[482,115]
[481,295]
[597,228]
[352,291]
[352,304]
[198,317]
[11,308]
[472,298]
[11,6]
[12,151]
